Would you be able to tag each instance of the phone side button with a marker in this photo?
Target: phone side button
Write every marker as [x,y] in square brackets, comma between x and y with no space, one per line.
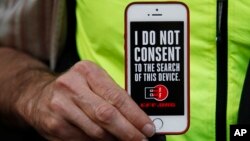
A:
[158,123]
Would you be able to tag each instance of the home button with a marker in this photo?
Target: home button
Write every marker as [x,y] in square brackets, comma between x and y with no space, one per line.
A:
[158,123]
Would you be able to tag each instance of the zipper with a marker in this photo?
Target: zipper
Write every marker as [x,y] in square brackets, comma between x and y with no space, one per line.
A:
[222,73]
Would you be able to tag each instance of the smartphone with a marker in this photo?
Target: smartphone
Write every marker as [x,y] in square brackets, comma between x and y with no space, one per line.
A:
[157,62]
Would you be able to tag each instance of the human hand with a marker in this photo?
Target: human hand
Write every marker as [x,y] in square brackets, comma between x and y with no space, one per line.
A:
[85,104]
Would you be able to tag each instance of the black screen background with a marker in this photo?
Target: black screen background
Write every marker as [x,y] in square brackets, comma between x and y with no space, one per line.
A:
[176,88]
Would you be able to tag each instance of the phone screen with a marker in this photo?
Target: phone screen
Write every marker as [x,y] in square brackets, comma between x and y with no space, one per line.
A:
[157,66]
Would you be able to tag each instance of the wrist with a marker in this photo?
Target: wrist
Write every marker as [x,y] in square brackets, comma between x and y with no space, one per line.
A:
[35,84]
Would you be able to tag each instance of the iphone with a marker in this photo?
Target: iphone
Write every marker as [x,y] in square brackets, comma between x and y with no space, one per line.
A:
[157,62]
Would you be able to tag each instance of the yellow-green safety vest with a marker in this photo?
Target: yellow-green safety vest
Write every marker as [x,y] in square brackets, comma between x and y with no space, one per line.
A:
[100,38]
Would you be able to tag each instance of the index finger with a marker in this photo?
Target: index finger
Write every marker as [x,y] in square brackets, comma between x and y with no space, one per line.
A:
[106,88]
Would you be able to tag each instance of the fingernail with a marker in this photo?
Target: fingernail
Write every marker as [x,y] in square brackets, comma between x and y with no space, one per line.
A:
[144,139]
[148,130]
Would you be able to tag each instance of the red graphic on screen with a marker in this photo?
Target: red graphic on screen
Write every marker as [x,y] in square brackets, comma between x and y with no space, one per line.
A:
[159,92]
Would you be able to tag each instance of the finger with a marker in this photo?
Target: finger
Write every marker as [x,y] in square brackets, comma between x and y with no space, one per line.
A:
[55,128]
[73,134]
[105,87]
[108,117]
[98,110]
[91,104]
[73,114]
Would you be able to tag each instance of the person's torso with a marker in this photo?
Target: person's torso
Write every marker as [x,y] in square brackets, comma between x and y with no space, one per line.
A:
[100,38]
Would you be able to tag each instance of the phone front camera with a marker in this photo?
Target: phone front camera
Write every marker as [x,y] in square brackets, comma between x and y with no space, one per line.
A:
[156,9]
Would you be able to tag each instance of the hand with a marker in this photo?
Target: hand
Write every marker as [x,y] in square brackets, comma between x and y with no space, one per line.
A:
[85,104]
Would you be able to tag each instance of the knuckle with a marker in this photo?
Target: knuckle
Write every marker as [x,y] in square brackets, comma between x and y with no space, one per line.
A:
[119,100]
[56,105]
[89,69]
[25,108]
[60,83]
[98,133]
[53,126]
[105,113]
[64,83]
[131,137]
[115,97]
[81,98]
[83,66]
